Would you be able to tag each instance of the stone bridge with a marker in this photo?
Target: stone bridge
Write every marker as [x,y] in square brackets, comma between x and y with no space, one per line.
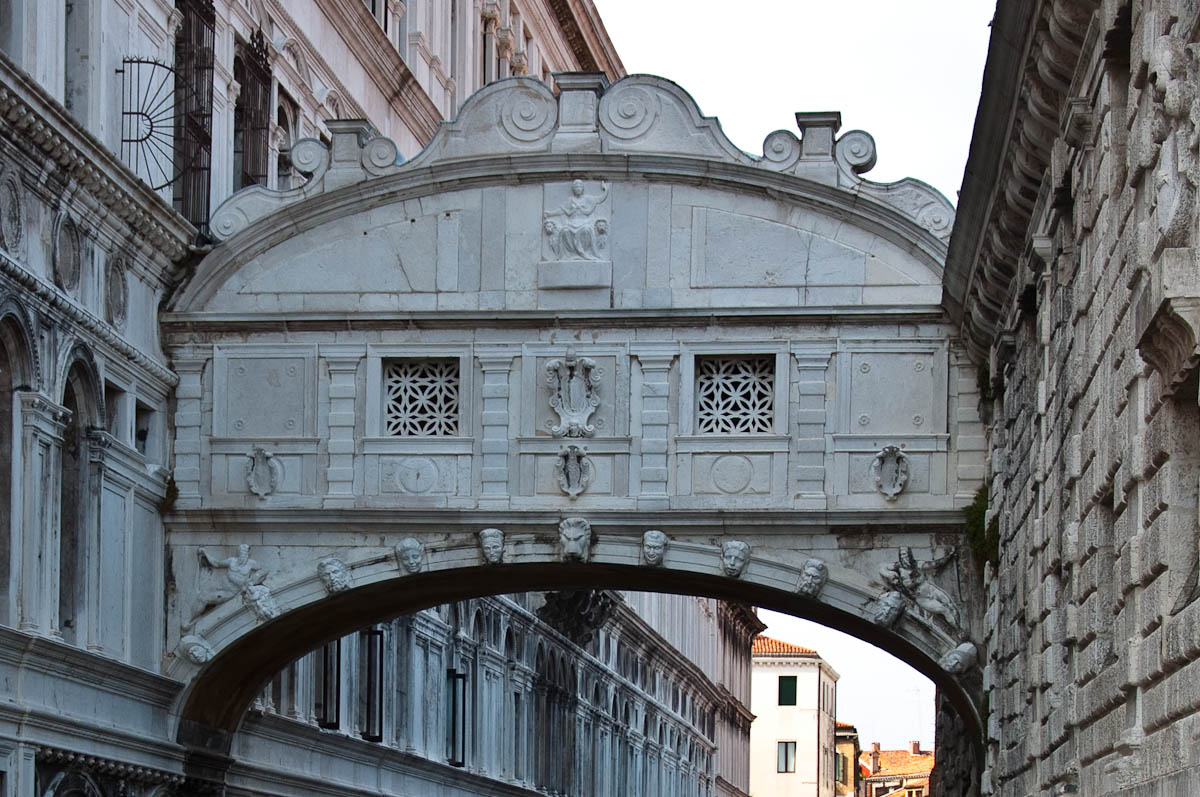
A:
[580,340]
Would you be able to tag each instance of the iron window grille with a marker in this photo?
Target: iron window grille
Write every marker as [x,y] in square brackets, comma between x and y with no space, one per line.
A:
[193,116]
[735,395]
[252,112]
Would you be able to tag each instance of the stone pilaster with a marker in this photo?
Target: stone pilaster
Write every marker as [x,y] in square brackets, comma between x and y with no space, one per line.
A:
[808,395]
[343,362]
[36,547]
[99,442]
[653,443]
[189,397]
[494,435]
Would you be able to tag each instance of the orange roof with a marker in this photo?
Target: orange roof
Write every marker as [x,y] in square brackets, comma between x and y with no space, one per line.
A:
[765,646]
[899,762]
[841,724]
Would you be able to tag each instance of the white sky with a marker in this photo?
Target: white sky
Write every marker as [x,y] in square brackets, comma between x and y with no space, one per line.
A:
[906,71]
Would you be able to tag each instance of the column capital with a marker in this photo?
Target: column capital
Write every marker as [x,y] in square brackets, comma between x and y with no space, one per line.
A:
[39,411]
[495,358]
[343,356]
[657,357]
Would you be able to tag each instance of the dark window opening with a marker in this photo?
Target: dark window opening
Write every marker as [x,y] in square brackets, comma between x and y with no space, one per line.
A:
[787,690]
[251,113]
[193,120]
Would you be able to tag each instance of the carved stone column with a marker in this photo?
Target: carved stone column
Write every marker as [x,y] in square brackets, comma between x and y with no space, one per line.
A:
[654,440]
[808,396]
[189,396]
[42,425]
[98,444]
[491,14]
[343,388]
[494,424]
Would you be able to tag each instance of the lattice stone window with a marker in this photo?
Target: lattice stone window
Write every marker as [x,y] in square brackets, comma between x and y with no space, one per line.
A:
[421,398]
[735,395]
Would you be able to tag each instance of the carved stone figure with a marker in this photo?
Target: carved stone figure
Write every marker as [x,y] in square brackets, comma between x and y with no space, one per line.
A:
[411,554]
[491,545]
[959,659]
[888,608]
[573,383]
[735,555]
[911,578]
[572,232]
[813,576]
[575,539]
[654,547]
[263,472]
[334,575]
[258,599]
[195,649]
[573,470]
[240,572]
[889,470]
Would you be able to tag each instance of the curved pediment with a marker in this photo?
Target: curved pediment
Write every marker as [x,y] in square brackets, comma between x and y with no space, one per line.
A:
[604,197]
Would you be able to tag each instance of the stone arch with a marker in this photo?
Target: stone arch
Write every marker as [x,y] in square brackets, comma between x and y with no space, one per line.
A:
[73,783]
[18,371]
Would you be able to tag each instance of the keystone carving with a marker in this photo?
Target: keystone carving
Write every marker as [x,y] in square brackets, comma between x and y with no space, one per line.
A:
[813,576]
[959,659]
[195,649]
[889,471]
[258,599]
[334,575]
[573,470]
[888,608]
[575,539]
[573,383]
[411,554]
[735,555]
[911,579]
[491,546]
[240,573]
[654,547]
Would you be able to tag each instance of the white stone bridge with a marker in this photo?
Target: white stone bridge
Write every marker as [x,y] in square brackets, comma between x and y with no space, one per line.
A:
[573,319]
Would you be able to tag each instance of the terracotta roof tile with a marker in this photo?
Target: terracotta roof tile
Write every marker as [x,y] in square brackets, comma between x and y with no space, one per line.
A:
[765,646]
[900,762]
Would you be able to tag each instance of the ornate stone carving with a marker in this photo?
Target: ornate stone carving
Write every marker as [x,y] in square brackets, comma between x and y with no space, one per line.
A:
[240,573]
[491,546]
[421,397]
[911,578]
[888,608]
[889,471]
[334,575]
[263,472]
[735,395]
[261,603]
[578,613]
[12,214]
[735,555]
[575,539]
[116,293]
[195,649]
[411,554]
[654,547]
[574,231]
[527,116]
[813,576]
[628,111]
[573,470]
[68,253]
[781,150]
[574,385]
[959,659]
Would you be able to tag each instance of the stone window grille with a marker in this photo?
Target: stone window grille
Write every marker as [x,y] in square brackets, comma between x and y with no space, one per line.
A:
[735,395]
[421,398]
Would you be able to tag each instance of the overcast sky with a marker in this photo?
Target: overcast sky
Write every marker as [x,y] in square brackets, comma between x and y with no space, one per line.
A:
[906,71]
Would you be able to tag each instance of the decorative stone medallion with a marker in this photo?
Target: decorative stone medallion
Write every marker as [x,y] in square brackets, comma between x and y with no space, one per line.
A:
[263,472]
[12,224]
[731,473]
[574,383]
[68,253]
[116,293]
[889,471]
[573,470]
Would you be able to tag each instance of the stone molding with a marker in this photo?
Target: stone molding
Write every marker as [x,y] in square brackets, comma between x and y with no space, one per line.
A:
[517,121]
[43,122]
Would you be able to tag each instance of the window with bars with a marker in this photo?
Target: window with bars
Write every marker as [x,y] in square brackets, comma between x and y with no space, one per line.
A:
[252,112]
[735,394]
[421,398]
[193,110]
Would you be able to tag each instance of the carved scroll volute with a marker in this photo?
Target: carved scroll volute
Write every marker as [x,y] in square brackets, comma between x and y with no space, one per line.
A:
[574,383]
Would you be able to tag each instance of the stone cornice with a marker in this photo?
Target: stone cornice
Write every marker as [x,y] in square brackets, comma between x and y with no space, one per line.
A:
[107,766]
[587,37]
[38,118]
[57,302]
[1032,57]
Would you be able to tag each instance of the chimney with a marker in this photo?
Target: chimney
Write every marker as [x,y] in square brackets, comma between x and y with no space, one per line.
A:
[874,757]
[874,747]
[914,748]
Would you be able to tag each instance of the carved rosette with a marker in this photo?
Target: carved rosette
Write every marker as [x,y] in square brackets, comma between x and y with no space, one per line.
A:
[889,471]
[573,470]
[574,386]
[575,540]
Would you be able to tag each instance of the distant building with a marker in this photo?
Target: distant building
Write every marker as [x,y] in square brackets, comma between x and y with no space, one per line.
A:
[896,773]
[793,694]
[845,759]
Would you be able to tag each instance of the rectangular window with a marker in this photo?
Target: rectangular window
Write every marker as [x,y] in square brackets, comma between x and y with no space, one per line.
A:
[787,756]
[371,684]
[787,690]
[421,398]
[193,98]
[329,684]
[735,395]
[251,112]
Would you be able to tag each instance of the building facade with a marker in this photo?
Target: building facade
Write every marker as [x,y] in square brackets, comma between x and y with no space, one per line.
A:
[896,773]
[793,694]
[846,772]
[1072,275]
